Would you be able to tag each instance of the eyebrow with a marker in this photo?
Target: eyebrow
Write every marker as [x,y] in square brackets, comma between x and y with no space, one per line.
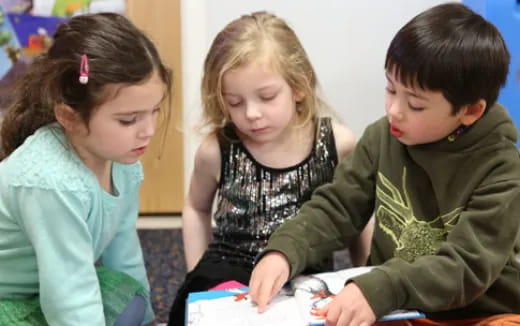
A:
[261,89]
[414,94]
[407,91]
[120,114]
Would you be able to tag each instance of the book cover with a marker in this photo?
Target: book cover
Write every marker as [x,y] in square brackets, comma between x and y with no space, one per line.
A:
[297,304]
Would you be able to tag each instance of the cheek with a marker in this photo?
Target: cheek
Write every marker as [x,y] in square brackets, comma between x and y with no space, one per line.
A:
[388,103]
[234,115]
[420,124]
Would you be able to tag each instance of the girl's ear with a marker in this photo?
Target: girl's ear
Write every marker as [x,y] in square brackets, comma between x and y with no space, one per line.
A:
[66,116]
[299,96]
[472,112]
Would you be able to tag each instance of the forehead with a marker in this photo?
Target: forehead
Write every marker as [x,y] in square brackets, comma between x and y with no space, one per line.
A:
[121,98]
[250,73]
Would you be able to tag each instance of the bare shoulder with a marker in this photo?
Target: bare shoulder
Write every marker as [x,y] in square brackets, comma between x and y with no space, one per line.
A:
[207,157]
[344,138]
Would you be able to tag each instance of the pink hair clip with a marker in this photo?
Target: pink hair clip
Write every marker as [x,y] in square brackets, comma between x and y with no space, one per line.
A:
[83,70]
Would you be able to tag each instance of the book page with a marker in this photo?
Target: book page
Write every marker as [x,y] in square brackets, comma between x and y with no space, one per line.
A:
[238,310]
[297,304]
[313,292]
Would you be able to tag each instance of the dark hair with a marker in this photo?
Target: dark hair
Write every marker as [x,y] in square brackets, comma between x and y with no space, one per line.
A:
[118,53]
[451,49]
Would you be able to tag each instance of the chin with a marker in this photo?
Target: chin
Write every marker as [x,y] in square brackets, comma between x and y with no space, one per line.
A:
[407,142]
[127,160]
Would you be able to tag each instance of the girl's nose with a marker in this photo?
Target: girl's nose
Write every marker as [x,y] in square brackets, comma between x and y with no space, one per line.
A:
[253,112]
[148,127]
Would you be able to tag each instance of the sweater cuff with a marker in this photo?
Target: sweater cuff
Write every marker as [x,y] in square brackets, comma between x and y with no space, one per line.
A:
[377,289]
[286,246]
[149,315]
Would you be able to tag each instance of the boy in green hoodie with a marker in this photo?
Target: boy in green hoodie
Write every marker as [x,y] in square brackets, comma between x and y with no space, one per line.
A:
[441,173]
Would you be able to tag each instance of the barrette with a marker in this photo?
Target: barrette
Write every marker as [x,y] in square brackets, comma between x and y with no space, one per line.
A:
[83,70]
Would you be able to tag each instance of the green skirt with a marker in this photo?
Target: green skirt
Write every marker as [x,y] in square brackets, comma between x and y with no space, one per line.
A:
[117,290]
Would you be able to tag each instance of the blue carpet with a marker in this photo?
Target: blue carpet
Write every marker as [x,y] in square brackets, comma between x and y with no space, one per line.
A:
[164,259]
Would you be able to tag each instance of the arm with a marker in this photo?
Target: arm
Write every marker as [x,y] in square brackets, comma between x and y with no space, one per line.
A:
[360,249]
[471,260]
[196,215]
[124,252]
[330,220]
[334,216]
[345,140]
[55,223]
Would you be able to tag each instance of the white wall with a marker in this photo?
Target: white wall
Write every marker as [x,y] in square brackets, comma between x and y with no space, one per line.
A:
[346,41]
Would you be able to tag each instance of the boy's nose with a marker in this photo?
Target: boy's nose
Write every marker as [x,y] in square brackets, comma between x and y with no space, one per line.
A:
[395,112]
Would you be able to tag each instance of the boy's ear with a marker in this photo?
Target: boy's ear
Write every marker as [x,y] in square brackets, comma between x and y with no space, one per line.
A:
[66,116]
[472,112]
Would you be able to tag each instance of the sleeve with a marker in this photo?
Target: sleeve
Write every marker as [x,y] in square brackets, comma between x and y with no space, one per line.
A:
[467,264]
[55,223]
[124,252]
[334,216]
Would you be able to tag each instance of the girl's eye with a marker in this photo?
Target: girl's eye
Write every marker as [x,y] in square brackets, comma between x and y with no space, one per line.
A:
[268,97]
[234,104]
[156,110]
[128,122]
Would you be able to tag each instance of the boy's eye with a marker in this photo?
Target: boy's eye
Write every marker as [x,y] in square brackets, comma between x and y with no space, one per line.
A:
[415,108]
[389,90]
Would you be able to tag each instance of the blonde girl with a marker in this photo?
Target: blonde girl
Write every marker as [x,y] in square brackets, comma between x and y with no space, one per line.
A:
[267,149]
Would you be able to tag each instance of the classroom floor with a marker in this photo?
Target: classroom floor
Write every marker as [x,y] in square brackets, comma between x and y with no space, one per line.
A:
[162,245]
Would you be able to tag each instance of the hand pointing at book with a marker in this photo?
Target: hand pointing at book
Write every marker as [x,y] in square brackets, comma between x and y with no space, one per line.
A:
[349,308]
[268,277]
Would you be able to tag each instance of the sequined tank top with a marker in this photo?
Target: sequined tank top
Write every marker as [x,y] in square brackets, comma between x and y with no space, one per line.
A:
[253,200]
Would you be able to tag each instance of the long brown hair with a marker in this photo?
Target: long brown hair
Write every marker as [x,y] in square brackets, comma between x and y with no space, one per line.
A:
[118,53]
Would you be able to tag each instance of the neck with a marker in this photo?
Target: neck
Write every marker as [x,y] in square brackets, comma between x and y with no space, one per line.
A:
[101,168]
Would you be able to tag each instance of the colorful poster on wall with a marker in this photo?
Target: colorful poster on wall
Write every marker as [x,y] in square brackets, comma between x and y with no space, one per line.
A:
[22,36]
[69,8]
[16,6]
[11,62]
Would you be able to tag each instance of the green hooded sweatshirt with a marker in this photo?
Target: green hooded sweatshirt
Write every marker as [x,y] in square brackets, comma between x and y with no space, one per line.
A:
[447,220]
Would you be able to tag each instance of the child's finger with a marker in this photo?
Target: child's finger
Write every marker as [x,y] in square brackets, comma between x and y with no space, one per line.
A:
[332,314]
[265,293]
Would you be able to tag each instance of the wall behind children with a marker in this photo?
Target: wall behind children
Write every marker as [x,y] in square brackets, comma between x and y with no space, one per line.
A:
[505,14]
[346,41]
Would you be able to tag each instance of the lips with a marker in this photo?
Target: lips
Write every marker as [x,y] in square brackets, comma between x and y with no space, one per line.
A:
[139,150]
[259,130]
[396,132]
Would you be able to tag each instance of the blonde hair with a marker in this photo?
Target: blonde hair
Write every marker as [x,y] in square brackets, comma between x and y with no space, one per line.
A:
[259,36]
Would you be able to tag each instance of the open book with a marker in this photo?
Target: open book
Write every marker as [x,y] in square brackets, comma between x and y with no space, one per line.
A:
[297,304]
